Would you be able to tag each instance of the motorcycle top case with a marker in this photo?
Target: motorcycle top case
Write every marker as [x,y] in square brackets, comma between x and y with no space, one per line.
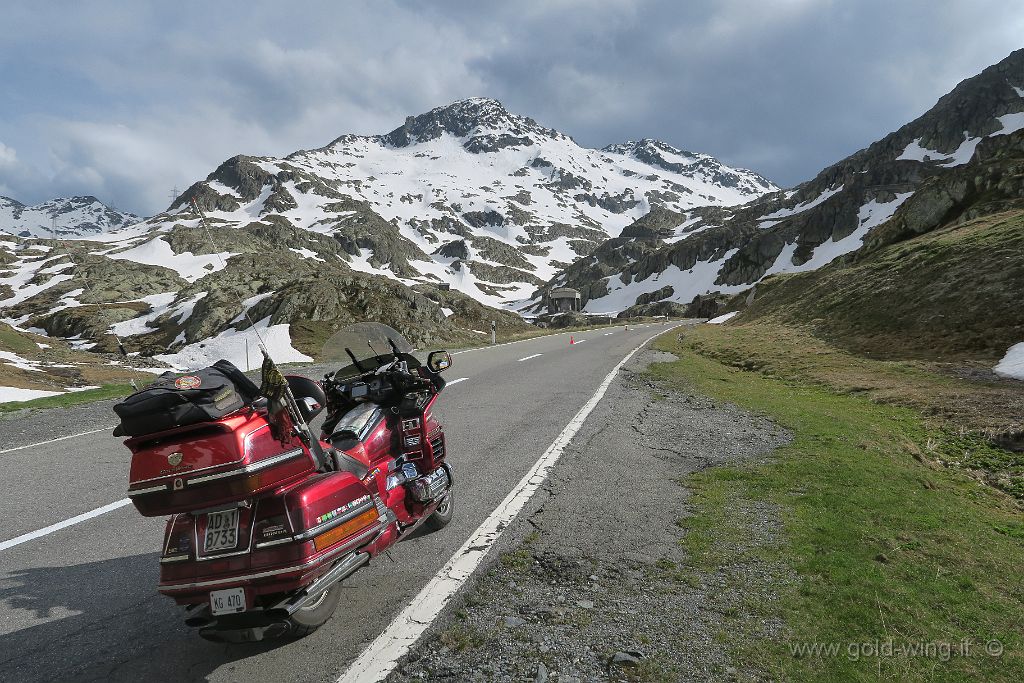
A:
[177,399]
[211,464]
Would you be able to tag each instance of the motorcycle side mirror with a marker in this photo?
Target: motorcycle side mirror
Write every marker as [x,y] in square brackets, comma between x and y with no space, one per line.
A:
[309,407]
[309,396]
[439,361]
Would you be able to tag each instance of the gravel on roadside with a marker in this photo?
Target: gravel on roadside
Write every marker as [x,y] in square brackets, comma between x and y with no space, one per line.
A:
[592,583]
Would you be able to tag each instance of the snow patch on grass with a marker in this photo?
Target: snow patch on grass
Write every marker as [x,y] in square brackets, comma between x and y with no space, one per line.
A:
[723,318]
[1012,364]
[11,394]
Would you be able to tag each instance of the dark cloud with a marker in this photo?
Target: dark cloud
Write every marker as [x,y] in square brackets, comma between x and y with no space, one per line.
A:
[126,102]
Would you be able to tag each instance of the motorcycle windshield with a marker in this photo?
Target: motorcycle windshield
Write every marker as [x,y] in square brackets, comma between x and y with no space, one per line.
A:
[370,344]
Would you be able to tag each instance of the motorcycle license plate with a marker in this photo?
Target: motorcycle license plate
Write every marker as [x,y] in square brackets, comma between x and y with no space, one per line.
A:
[227,601]
[221,530]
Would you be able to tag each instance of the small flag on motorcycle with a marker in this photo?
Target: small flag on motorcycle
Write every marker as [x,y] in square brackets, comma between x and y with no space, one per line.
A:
[274,386]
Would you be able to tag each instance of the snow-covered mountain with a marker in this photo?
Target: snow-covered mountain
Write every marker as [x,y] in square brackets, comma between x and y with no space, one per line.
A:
[711,250]
[463,207]
[61,217]
[470,194]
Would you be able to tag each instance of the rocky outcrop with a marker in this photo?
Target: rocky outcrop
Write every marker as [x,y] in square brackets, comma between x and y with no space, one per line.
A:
[207,198]
[657,295]
[457,249]
[656,309]
[244,175]
[496,129]
[994,182]
[941,280]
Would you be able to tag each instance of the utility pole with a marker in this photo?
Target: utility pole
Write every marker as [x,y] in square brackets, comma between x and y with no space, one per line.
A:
[174,194]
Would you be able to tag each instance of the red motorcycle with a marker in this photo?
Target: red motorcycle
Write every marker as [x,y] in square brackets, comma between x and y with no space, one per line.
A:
[266,520]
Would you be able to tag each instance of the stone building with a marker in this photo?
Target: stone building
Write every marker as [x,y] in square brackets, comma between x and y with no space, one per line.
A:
[563,300]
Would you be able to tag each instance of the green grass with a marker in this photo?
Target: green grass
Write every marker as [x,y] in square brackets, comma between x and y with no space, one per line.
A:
[909,299]
[884,544]
[12,340]
[70,399]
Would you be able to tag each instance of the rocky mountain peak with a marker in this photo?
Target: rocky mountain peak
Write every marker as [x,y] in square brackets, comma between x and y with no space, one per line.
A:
[486,124]
[649,149]
[674,160]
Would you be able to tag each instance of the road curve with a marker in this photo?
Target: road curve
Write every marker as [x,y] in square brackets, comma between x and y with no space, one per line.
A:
[80,602]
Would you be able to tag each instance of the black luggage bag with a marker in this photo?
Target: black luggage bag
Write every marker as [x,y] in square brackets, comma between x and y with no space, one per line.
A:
[177,399]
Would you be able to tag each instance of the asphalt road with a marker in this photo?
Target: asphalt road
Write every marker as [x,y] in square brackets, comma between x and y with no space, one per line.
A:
[80,603]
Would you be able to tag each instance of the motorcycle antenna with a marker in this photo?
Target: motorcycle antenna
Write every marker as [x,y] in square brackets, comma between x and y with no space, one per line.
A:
[88,288]
[370,344]
[355,361]
[303,429]
[223,264]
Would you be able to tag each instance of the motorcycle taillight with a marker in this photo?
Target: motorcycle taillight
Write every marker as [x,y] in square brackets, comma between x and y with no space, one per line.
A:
[271,526]
[178,539]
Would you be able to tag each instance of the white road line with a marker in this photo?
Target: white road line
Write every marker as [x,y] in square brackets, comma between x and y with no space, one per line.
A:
[608,334]
[578,341]
[520,341]
[456,381]
[379,658]
[43,443]
[494,346]
[63,525]
[536,355]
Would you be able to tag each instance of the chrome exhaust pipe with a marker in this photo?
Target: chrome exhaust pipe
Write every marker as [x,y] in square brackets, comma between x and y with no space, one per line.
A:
[200,621]
[198,616]
[252,634]
[344,569]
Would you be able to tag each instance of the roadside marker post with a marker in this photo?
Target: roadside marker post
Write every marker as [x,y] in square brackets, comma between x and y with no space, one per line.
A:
[493,327]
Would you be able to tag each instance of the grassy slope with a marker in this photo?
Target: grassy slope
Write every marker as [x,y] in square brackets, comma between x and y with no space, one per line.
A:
[61,366]
[985,405]
[886,544]
[70,399]
[954,293]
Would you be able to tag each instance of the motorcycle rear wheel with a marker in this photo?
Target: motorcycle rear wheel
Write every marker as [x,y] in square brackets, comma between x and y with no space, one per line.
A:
[311,617]
[443,514]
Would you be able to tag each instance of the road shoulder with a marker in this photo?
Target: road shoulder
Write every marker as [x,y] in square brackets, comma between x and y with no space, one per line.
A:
[593,581]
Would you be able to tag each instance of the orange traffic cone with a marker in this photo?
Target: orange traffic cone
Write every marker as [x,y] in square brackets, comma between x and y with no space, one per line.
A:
[572,340]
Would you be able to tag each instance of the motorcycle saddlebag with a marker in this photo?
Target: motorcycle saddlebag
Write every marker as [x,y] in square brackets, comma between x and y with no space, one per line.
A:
[178,399]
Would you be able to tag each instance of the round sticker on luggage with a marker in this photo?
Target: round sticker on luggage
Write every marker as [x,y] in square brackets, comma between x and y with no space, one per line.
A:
[187,382]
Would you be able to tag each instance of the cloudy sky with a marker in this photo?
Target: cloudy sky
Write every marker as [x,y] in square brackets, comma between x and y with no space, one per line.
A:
[128,100]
